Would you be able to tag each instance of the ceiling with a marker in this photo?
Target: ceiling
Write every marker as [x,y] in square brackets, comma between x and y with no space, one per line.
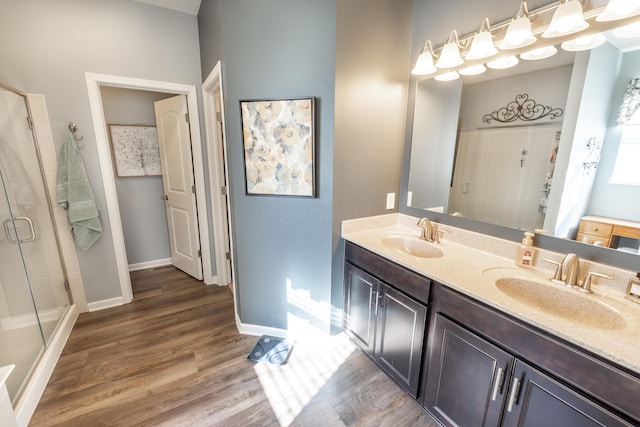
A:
[186,6]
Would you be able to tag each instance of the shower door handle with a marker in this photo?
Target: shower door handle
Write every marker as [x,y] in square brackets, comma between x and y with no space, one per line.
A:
[16,240]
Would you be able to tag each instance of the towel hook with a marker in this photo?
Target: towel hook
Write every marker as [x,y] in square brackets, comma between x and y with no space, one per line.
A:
[74,130]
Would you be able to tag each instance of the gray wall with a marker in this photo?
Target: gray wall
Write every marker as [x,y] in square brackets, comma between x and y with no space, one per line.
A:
[143,215]
[210,30]
[47,48]
[276,49]
[353,56]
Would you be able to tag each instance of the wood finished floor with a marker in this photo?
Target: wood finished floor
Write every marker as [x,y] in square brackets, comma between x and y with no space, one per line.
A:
[174,357]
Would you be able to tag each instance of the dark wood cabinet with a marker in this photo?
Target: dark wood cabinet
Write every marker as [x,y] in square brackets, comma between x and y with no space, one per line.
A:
[472,381]
[477,366]
[536,400]
[386,323]
[358,319]
[399,337]
[467,377]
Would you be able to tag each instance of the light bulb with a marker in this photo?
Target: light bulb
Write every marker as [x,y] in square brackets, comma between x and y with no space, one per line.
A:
[424,64]
[503,62]
[540,53]
[619,9]
[519,32]
[473,70]
[567,19]
[450,55]
[482,43]
[630,31]
[447,77]
[587,42]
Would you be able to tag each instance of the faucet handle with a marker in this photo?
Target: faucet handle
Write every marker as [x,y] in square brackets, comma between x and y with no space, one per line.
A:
[586,285]
[557,276]
[439,235]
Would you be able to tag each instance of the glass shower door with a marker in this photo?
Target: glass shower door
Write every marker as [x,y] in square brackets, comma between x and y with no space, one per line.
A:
[33,294]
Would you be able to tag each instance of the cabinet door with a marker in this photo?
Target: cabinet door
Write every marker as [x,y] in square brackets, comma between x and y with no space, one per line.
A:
[467,377]
[537,400]
[400,333]
[360,300]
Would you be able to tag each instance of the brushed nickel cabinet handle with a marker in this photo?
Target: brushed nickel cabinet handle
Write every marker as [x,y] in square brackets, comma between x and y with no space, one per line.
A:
[378,296]
[514,394]
[497,386]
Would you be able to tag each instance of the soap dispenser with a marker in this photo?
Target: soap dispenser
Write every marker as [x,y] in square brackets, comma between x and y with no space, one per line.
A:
[526,251]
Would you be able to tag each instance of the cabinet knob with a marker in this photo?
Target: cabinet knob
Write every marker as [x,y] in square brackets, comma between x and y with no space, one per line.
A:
[595,228]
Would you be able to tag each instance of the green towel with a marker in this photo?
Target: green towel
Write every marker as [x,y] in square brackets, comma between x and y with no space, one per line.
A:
[74,194]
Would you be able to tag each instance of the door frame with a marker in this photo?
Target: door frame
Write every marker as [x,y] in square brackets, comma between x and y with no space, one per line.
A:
[220,216]
[94,82]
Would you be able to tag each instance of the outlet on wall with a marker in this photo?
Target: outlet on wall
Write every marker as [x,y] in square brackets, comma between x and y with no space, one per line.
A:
[391,200]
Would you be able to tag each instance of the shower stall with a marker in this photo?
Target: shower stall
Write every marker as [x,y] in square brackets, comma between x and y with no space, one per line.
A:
[34,291]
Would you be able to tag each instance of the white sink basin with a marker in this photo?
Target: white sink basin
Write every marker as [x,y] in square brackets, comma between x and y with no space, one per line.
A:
[562,302]
[412,246]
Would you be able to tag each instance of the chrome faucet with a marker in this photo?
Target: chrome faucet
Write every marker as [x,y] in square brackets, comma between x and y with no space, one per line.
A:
[427,226]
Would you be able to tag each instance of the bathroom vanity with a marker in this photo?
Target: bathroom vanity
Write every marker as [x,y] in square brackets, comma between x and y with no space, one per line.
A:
[476,340]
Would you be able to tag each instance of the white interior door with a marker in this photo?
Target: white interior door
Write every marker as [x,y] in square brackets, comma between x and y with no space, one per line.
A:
[172,121]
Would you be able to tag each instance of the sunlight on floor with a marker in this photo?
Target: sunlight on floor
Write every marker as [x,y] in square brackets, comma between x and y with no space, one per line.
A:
[314,359]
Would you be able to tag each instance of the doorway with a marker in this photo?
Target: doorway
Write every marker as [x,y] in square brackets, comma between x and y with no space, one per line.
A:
[94,84]
[213,103]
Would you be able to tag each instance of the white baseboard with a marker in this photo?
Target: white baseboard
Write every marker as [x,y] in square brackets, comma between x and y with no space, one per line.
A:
[105,303]
[150,264]
[29,319]
[257,330]
[35,387]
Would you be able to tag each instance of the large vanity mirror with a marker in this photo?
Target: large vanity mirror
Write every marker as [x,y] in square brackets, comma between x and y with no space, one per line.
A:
[530,148]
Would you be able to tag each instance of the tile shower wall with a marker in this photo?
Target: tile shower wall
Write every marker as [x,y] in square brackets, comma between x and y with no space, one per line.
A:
[500,175]
[49,157]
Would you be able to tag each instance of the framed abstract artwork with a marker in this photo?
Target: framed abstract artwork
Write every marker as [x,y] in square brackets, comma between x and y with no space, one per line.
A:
[278,139]
[135,150]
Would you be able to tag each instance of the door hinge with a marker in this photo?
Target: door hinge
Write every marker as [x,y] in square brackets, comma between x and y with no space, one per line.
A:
[30,122]
[218,116]
[186,117]
[223,190]
[193,189]
[199,253]
[66,286]
[228,255]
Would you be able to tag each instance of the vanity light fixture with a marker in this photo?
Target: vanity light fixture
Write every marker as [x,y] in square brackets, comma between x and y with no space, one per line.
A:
[567,19]
[587,42]
[519,33]
[540,53]
[473,70]
[450,55]
[424,64]
[630,31]
[557,22]
[447,77]
[503,62]
[619,9]
[482,44]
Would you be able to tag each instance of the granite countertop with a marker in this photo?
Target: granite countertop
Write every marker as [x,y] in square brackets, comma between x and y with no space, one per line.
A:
[472,263]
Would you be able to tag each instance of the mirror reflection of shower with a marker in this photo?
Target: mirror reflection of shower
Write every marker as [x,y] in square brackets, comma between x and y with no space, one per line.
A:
[504,175]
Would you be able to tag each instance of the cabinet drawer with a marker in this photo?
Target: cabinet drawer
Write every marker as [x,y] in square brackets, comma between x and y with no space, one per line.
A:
[412,284]
[593,240]
[595,228]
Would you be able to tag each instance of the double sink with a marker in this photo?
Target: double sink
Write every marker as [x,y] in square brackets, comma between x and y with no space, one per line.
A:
[534,291]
